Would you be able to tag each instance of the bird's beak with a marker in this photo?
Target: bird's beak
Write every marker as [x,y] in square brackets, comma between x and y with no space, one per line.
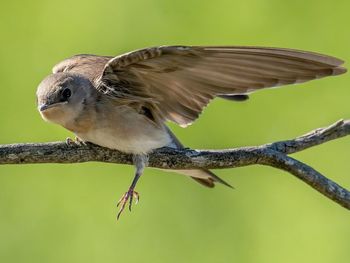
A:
[45,106]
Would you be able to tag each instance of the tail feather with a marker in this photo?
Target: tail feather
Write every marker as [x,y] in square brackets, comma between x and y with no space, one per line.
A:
[202,176]
[205,182]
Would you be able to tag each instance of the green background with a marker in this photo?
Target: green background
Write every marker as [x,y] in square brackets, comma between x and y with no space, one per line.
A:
[66,213]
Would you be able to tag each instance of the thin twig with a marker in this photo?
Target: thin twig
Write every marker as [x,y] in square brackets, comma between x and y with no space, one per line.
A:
[273,154]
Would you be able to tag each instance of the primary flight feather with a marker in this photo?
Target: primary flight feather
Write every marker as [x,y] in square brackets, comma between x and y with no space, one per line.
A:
[123,102]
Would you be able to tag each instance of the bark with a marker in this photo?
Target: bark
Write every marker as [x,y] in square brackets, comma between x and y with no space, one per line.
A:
[273,154]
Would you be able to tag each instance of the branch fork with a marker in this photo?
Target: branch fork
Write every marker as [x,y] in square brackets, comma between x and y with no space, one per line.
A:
[272,154]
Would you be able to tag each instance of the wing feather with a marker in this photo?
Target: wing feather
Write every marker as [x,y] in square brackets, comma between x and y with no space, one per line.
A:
[181,80]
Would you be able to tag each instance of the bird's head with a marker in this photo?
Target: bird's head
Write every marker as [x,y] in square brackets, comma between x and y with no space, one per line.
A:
[61,97]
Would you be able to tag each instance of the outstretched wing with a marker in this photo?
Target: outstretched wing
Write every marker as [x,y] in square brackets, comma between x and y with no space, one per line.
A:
[179,81]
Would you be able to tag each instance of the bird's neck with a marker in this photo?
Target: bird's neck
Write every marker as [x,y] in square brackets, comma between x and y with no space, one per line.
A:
[85,116]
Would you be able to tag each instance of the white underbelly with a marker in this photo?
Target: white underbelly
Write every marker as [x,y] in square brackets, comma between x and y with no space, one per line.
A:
[125,130]
[136,143]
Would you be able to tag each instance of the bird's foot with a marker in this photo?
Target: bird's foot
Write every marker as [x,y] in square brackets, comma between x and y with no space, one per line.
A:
[76,141]
[128,196]
[69,141]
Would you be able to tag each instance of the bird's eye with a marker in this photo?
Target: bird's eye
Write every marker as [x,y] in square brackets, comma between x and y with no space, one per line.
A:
[66,93]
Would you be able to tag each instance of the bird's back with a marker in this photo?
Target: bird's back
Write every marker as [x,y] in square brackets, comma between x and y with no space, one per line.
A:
[90,66]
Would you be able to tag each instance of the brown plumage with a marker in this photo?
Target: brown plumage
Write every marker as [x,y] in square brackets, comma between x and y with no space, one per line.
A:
[124,101]
[179,81]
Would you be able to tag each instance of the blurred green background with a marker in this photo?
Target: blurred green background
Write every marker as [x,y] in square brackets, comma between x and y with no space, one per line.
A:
[66,213]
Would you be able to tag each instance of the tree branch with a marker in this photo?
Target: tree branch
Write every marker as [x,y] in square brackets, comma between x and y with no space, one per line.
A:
[273,154]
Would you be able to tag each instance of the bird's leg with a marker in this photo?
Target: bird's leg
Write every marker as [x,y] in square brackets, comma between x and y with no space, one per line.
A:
[140,161]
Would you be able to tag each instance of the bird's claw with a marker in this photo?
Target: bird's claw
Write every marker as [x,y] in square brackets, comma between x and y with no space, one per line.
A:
[76,141]
[128,196]
[69,141]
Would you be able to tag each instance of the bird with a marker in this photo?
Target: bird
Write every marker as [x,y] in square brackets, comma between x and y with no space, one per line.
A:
[124,102]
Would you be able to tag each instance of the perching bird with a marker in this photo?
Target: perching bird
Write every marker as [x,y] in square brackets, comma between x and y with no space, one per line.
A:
[123,102]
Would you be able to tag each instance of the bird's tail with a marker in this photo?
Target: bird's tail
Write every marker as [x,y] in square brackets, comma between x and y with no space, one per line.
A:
[202,176]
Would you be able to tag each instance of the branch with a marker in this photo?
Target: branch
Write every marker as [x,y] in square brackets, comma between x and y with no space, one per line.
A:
[273,154]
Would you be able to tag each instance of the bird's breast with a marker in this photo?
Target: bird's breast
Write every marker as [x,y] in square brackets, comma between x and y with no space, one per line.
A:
[126,131]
